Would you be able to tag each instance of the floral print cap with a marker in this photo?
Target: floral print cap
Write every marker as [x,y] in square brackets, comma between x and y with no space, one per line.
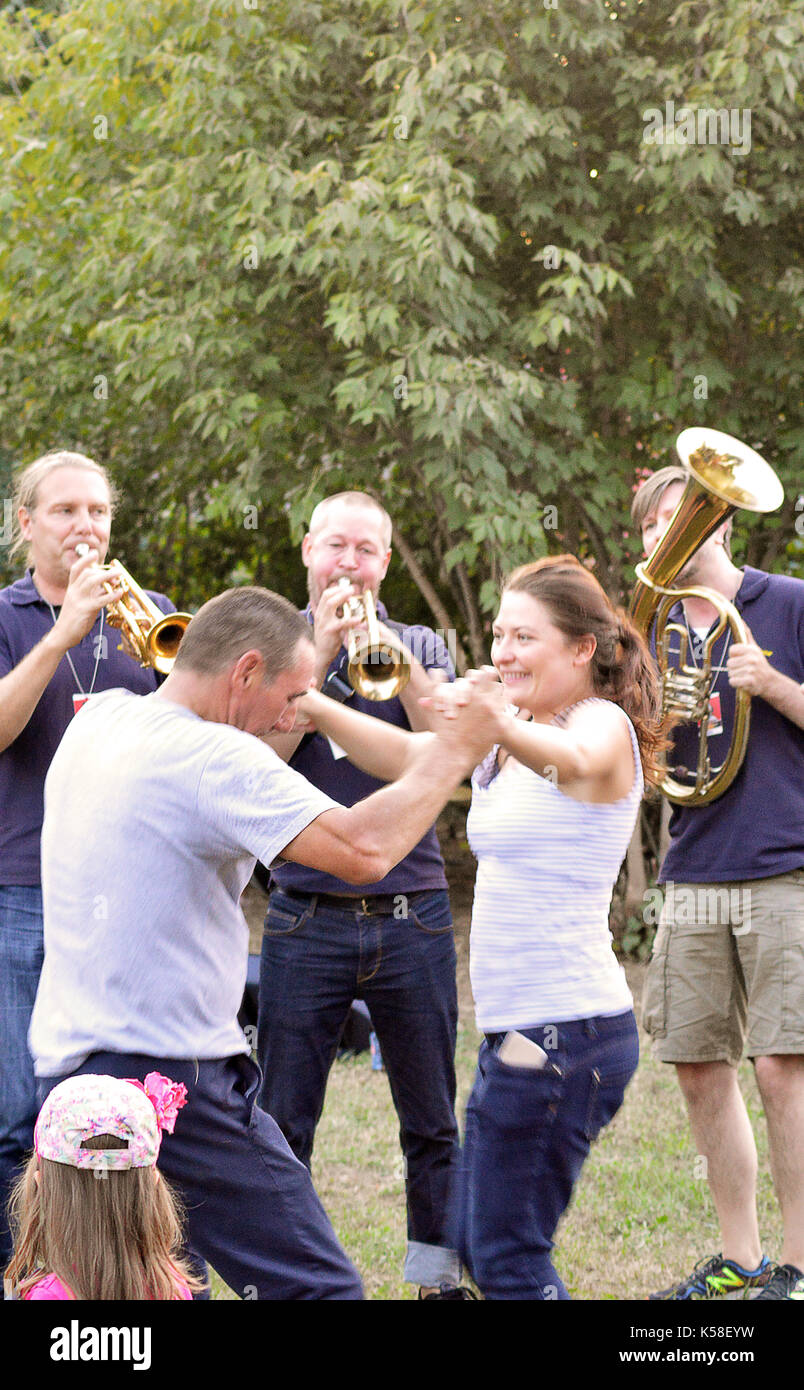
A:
[84,1106]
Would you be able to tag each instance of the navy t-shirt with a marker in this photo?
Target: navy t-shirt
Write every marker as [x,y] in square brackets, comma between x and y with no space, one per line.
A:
[756,828]
[25,619]
[423,868]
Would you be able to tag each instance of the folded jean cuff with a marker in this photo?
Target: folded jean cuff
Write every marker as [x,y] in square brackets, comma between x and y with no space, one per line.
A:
[431,1265]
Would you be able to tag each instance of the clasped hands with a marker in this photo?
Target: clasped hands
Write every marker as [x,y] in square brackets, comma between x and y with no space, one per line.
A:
[481,691]
[467,714]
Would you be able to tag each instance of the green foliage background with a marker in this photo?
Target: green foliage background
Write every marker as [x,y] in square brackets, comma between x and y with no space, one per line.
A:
[254,252]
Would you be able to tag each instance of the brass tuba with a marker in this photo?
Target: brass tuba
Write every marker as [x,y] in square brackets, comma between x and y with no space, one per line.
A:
[724,475]
[379,667]
[149,635]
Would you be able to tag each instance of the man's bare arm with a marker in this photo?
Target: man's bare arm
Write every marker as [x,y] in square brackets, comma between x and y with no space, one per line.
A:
[380,749]
[362,843]
[285,745]
[419,686]
[22,688]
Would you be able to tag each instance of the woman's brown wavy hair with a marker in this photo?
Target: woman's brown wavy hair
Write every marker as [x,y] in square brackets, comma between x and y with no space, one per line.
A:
[622,667]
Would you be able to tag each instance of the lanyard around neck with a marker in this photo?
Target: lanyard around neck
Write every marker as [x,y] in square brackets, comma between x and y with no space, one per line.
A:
[98,645]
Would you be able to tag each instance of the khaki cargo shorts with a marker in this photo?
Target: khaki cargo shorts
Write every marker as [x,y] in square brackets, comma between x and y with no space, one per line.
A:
[727,971]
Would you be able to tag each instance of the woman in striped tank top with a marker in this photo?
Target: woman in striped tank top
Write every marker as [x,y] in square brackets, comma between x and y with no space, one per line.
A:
[573,707]
[553,809]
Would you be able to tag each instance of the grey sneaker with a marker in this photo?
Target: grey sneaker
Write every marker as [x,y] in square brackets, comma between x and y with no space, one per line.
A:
[785,1282]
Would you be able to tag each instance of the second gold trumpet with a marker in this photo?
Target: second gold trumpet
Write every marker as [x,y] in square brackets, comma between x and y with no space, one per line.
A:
[379,667]
[151,636]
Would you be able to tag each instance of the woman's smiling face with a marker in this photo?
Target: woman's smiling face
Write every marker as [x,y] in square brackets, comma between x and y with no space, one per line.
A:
[537,663]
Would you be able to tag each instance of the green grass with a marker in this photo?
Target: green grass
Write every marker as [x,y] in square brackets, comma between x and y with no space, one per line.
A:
[640,1216]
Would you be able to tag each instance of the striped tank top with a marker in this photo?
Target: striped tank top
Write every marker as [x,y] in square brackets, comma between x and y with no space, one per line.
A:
[540,945]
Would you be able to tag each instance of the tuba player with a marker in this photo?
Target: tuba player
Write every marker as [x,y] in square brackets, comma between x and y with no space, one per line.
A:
[727,972]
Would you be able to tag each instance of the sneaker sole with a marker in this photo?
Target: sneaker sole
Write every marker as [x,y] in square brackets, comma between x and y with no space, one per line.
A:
[734,1296]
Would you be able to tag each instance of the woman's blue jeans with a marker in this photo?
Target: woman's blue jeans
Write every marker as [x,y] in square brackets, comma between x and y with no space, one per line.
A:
[528,1133]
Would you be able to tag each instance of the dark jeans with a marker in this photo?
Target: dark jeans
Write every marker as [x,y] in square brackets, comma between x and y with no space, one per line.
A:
[251,1208]
[317,958]
[21,955]
[528,1134]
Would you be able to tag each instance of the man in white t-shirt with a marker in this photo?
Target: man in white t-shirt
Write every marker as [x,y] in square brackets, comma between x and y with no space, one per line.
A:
[156,809]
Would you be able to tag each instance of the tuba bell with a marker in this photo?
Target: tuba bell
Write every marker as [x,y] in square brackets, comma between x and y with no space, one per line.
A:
[378,667]
[725,476]
[149,635]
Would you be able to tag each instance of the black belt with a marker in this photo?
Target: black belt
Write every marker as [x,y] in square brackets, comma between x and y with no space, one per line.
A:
[371,905]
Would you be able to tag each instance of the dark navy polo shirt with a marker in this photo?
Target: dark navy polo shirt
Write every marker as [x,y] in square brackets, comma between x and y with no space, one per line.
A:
[756,828]
[24,620]
[423,868]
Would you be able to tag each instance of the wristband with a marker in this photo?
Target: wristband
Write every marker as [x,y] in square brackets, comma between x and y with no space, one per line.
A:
[337,689]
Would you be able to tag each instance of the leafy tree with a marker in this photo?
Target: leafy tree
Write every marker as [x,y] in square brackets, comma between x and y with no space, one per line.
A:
[253,252]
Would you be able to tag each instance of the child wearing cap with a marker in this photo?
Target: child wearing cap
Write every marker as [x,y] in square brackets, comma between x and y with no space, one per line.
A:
[92,1217]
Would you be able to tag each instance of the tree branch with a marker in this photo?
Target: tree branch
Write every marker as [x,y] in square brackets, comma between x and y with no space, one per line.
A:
[428,594]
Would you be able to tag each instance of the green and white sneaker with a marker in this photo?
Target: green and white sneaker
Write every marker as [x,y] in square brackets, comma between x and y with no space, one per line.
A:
[719,1278]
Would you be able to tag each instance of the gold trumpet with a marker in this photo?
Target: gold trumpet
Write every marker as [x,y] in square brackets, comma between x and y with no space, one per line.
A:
[724,475]
[379,667]
[149,635]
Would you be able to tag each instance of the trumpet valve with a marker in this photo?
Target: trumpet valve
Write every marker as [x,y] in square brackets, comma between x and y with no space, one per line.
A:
[353,606]
[685,694]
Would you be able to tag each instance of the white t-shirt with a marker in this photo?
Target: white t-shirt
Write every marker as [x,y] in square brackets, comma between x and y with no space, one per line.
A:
[154,819]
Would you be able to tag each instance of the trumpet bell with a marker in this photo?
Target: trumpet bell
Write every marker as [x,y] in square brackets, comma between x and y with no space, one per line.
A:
[379,667]
[729,470]
[377,671]
[162,641]
[149,635]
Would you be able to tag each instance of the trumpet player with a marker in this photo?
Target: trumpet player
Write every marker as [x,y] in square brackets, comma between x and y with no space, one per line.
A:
[55,650]
[390,943]
[727,972]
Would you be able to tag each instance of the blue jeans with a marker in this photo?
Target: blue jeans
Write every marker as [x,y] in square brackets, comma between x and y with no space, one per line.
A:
[528,1134]
[251,1208]
[316,959]
[21,955]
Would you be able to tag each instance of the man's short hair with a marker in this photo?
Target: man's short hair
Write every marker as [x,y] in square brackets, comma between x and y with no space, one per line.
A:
[355,499]
[30,479]
[648,496]
[238,621]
